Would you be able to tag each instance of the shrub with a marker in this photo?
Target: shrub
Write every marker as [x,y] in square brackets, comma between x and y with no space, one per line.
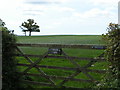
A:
[10,79]
[112,55]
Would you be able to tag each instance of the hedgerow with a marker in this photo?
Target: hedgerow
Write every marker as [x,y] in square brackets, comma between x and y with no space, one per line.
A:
[112,55]
[10,79]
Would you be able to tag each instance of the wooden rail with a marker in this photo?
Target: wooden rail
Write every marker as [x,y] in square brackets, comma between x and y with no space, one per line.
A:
[55,77]
[64,46]
[37,83]
[64,68]
[63,57]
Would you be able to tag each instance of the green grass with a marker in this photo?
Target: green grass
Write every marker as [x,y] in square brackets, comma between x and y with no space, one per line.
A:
[62,39]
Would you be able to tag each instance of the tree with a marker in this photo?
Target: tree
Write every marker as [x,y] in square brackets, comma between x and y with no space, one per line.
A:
[29,26]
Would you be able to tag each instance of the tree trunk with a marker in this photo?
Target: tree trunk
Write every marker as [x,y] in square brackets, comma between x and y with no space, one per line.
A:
[25,33]
[30,33]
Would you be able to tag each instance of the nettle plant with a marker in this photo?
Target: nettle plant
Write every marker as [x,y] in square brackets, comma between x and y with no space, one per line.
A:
[112,55]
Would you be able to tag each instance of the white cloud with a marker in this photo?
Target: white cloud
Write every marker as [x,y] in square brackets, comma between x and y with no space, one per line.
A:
[95,12]
[63,1]
[28,9]
[104,2]
[46,1]
[52,25]
[43,9]
[10,5]
[60,1]
[33,13]
[63,9]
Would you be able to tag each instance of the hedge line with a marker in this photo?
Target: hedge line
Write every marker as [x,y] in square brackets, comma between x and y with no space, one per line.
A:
[10,80]
[112,55]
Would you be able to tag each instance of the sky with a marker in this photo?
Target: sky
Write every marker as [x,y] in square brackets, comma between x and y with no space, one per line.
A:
[56,17]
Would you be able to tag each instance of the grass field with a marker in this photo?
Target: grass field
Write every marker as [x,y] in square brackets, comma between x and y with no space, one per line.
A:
[62,39]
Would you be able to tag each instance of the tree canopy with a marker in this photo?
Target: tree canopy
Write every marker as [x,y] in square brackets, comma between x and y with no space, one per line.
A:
[29,26]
